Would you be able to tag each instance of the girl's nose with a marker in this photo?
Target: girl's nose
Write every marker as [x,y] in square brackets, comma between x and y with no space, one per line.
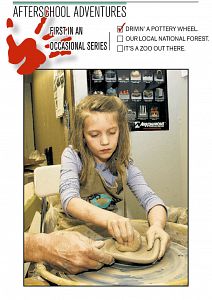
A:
[104,140]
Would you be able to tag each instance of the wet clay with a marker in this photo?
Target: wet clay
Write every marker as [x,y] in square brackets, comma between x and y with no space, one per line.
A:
[141,256]
[130,247]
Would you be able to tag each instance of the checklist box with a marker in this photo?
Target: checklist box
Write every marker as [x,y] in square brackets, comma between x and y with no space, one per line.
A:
[119,38]
[119,48]
[120,29]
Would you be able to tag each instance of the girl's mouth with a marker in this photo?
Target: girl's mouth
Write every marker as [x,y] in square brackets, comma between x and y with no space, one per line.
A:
[105,150]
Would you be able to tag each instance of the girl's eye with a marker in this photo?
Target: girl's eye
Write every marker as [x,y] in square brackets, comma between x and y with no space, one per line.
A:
[94,135]
[113,132]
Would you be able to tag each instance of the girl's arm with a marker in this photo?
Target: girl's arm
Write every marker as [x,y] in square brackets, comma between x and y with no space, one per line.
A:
[153,205]
[89,213]
[119,227]
[157,216]
[139,187]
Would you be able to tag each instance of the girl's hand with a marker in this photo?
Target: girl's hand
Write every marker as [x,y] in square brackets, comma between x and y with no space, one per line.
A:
[121,229]
[156,232]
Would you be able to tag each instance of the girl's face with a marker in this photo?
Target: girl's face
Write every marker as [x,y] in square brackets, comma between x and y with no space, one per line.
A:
[101,133]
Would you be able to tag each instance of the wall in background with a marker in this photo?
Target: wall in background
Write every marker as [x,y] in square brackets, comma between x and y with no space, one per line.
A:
[162,156]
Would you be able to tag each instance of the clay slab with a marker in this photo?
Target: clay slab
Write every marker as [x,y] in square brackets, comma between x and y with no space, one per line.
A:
[142,256]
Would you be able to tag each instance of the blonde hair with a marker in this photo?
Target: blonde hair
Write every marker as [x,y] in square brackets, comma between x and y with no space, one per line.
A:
[101,103]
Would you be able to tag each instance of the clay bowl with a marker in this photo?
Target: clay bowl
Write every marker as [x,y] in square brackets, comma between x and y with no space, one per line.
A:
[141,256]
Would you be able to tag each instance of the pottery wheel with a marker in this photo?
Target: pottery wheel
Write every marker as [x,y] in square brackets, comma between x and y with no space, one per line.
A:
[170,270]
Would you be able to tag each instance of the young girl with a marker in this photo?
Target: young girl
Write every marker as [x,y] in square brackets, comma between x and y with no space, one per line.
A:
[96,168]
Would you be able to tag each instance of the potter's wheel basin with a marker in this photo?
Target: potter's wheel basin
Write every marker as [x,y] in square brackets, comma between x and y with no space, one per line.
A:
[171,270]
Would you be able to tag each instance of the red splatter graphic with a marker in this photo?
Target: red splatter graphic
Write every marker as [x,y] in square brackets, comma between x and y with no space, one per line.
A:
[40,25]
[9,23]
[47,37]
[66,39]
[28,50]
[56,53]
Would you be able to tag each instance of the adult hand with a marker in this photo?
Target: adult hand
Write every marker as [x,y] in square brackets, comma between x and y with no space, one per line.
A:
[121,229]
[72,251]
[156,232]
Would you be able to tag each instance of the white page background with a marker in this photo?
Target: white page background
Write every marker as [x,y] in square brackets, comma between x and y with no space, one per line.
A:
[198,60]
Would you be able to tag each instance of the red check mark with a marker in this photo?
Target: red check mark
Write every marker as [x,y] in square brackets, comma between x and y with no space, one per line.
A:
[120,28]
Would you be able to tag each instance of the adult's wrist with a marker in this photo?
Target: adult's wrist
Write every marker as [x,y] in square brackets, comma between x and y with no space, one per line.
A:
[35,247]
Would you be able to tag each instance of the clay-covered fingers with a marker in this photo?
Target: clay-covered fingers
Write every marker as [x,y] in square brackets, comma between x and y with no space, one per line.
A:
[78,266]
[114,230]
[98,256]
[98,244]
[91,258]
[93,264]
[150,237]
[156,232]
[121,229]
[130,231]
[164,244]
[74,269]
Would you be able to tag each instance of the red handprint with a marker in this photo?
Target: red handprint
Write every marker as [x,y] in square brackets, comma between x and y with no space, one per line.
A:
[28,50]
